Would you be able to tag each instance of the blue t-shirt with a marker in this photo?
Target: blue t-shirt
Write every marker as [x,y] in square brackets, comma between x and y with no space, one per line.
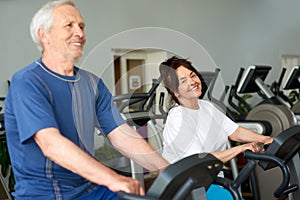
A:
[39,98]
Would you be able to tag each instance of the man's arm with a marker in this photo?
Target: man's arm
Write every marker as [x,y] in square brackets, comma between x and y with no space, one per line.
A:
[68,155]
[131,144]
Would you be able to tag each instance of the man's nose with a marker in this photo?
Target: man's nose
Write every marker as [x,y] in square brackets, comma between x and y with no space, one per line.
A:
[78,31]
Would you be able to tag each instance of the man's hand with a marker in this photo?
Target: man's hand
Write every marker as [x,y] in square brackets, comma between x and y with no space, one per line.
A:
[126,184]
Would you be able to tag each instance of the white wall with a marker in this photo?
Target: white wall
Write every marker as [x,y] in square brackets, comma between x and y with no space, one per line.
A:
[234,32]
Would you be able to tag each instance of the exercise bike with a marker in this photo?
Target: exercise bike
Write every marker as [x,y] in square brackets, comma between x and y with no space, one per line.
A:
[187,178]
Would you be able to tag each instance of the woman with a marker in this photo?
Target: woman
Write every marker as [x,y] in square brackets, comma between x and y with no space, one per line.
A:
[194,125]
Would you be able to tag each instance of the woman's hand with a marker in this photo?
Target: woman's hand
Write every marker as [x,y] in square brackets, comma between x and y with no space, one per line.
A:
[267,140]
[252,146]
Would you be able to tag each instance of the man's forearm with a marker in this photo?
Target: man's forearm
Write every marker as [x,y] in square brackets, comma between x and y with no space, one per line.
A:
[131,144]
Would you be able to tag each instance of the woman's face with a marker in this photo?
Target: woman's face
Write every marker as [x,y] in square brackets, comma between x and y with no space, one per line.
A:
[189,85]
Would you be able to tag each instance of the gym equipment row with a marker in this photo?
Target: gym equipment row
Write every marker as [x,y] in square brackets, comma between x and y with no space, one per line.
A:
[274,114]
[271,108]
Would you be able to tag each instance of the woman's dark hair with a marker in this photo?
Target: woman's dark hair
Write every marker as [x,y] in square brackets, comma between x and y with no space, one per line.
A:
[169,76]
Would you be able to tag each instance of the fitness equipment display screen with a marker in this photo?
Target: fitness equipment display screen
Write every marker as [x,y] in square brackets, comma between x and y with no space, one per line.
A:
[247,83]
[293,80]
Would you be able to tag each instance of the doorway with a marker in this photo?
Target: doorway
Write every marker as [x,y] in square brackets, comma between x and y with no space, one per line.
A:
[135,70]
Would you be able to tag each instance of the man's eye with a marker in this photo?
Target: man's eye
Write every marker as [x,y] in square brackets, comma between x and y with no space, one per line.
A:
[82,26]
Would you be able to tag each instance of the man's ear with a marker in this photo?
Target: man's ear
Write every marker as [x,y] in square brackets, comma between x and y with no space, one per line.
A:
[42,35]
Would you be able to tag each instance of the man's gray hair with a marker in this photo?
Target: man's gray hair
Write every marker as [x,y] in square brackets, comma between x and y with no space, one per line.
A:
[43,19]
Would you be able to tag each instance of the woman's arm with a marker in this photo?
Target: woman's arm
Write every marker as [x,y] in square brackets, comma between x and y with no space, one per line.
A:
[243,135]
[229,154]
[246,135]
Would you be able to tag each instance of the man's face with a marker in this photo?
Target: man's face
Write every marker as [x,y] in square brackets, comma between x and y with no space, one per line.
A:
[66,37]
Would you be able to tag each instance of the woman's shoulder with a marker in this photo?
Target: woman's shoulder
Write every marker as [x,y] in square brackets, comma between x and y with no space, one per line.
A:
[205,102]
[175,110]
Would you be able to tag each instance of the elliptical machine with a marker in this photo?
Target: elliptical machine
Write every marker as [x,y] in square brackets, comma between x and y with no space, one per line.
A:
[271,109]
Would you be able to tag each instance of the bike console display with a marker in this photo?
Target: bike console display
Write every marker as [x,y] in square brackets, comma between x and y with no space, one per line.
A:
[247,83]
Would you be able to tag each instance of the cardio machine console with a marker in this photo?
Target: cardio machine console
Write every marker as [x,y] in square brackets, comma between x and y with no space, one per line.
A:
[293,79]
[252,73]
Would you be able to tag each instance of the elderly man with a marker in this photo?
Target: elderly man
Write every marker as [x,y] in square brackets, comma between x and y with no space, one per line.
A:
[52,109]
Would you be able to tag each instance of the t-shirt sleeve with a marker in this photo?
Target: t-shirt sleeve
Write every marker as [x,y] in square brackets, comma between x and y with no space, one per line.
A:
[31,105]
[108,114]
